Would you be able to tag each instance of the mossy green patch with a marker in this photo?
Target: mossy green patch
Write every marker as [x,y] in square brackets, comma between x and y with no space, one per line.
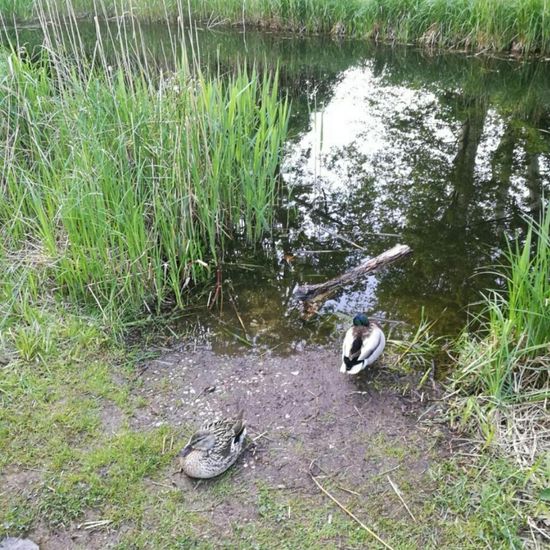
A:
[490,498]
[52,405]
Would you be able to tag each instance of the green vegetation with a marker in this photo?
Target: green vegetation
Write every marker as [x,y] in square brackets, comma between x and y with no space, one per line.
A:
[520,26]
[65,442]
[499,392]
[494,503]
[71,455]
[119,190]
[502,375]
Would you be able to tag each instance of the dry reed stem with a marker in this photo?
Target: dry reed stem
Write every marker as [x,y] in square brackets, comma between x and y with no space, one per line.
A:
[350,514]
[398,493]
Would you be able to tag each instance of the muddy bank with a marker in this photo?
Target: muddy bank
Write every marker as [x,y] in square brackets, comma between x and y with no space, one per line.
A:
[354,434]
[299,410]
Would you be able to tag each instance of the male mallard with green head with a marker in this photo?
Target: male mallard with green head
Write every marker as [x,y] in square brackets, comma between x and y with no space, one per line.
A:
[363,344]
[214,448]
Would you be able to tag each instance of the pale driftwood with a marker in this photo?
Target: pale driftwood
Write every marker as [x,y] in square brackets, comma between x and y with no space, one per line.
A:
[310,292]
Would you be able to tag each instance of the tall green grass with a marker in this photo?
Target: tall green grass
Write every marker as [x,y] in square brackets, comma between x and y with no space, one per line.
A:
[471,24]
[520,25]
[503,374]
[120,186]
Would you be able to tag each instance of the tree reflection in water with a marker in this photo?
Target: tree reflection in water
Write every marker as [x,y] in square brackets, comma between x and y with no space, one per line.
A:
[445,151]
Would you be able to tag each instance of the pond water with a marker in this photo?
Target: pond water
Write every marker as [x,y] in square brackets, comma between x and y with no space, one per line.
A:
[444,152]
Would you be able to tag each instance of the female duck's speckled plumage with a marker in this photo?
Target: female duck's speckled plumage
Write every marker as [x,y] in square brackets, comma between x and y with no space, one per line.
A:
[214,448]
[363,344]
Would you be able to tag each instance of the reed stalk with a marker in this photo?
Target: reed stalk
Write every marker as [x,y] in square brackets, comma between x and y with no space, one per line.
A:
[521,26]
[122,185]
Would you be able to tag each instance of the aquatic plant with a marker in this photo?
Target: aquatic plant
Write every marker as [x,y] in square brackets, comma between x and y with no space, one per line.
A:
[521,26]
[501,384]
[121,186]
[499,395]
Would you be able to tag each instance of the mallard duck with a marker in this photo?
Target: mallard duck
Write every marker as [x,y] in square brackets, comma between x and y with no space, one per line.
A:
[214,448]
[363,344]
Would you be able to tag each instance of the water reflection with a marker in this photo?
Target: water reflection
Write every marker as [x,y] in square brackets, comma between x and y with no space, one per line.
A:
[443,153]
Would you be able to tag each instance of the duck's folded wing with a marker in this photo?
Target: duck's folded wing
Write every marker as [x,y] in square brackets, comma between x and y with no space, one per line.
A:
[373,344]
[228,433]
[352,345]
[224,439]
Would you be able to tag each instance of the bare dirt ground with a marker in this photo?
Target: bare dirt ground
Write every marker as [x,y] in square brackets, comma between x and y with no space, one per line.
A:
[302,414]
[304,417]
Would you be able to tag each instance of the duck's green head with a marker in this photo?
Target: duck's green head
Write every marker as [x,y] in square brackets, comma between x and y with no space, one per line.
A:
[361,320]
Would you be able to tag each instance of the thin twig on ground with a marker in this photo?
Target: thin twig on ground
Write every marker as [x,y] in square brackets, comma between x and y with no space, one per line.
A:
[533,525]
[348,491]
[398,493]
[95,524]
[254,439]
[350,514]
[359,412]
[172,487]
[233,303]
[386,471]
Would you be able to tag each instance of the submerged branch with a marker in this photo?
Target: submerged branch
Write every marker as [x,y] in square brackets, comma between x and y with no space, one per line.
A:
[314,294]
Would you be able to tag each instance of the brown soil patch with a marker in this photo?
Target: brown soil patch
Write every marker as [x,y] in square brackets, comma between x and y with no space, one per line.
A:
[21,480]
[112,418]
[303,414]
[301,409]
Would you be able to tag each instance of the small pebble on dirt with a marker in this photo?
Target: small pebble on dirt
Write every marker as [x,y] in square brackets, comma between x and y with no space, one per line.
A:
[12,543]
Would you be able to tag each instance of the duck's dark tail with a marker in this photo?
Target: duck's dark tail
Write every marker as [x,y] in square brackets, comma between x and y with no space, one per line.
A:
[350,363]
[239,426]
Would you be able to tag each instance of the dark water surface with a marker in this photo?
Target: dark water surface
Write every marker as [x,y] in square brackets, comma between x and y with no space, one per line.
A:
[388,145]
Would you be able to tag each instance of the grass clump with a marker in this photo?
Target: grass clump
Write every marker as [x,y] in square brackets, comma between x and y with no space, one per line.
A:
[122,186]
[51,398]
[521,26]
[502,375]
[491,501]
[499,391]
[418,351]
[66,446]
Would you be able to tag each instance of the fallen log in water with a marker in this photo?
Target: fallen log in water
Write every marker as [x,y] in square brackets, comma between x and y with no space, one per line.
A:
[320,291]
